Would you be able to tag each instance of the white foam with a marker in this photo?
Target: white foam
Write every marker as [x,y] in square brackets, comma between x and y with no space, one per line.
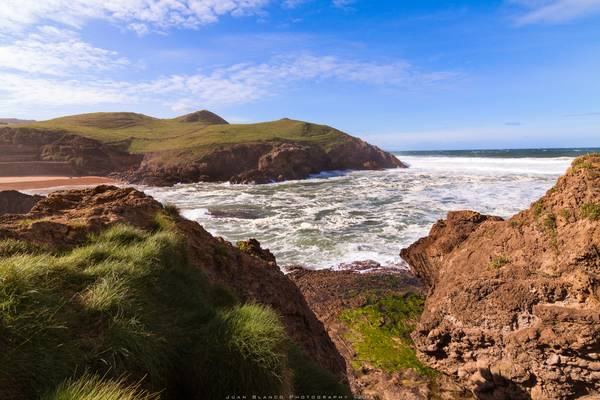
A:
[351,216]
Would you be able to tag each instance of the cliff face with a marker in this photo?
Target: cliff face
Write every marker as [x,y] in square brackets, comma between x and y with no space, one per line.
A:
[64,220]
[25,151]
[260,163]
[513,310]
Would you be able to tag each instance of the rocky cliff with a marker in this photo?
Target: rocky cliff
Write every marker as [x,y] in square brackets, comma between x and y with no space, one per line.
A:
[513,309]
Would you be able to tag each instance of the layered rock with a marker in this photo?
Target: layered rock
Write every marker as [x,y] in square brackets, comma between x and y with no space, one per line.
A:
[13,202]
[513,310]
[65,219]
[25,151]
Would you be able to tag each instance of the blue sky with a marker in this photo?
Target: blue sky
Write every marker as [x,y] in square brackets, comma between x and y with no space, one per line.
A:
[401,74]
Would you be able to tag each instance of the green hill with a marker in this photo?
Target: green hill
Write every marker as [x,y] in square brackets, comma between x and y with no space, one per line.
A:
[199,130]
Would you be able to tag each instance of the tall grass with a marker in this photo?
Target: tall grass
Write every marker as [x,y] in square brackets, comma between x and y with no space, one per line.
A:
[92,387]
[128,303]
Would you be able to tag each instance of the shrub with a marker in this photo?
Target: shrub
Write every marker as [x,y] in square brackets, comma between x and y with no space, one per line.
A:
[499,261]
[550,223]
[590,211]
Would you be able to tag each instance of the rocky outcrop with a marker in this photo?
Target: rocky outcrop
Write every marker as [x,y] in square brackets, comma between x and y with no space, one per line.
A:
[262,163]
[331,293]
[13,202]
[65,219]
[25,151]
[514,306]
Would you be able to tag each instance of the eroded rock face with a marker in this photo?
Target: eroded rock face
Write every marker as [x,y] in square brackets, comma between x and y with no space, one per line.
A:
[65,219]
[513,310]
[13,202]
[261,163]
[25,151]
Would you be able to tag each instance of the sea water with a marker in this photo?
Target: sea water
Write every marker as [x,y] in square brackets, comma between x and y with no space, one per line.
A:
[340,217]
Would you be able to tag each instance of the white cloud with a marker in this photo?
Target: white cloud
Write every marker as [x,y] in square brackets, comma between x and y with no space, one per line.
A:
[556,11]
[343,3]
[138,15]
[236,84]
[53,51]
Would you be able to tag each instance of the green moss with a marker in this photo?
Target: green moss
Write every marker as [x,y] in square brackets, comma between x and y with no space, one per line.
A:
[590,211]
[380,333]
[499,262]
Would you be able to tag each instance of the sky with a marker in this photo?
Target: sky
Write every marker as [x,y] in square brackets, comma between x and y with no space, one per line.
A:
[404,75]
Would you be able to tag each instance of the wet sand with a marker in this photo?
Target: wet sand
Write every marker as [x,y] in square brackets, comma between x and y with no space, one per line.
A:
[46,182]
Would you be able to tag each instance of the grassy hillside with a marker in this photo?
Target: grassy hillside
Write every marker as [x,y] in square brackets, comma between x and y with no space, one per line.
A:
[125,316]
[149,134]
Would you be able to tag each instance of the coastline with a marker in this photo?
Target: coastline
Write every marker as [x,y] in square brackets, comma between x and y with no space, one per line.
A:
[48,182]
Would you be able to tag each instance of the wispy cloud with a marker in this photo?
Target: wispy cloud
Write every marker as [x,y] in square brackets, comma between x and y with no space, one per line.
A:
[140,16]
[53,51]
[235,84]
[556,11]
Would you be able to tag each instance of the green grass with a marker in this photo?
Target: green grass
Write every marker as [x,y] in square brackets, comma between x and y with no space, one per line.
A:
[590,211]
[499,262]
[128,304]
[92,387]
[380,333]
[147,134]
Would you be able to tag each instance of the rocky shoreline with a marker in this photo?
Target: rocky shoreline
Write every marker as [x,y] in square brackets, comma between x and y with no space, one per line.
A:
[491,309]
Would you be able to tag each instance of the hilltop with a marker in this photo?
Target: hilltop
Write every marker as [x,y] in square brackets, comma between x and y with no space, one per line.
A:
[200,146]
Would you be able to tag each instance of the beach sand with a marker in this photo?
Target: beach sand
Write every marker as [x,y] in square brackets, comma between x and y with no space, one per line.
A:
[46,182]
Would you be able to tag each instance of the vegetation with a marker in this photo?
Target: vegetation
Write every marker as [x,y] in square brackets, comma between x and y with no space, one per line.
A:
[146,134]
[128,304]
[92,387]
[590,211]
[586,161]
[499,261]
[380,333]
[550,223]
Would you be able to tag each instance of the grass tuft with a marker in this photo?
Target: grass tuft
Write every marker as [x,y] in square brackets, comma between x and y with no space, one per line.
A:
[499,262]
[590,211]
[92,387]
[249,343]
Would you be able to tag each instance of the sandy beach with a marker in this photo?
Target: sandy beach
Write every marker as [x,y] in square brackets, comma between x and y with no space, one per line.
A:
[46,182]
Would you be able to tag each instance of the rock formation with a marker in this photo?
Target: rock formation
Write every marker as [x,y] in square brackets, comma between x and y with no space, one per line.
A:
[513,310]
[13,202]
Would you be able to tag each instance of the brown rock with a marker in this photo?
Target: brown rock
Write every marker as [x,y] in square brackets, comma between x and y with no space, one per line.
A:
[13,202]
[513,310]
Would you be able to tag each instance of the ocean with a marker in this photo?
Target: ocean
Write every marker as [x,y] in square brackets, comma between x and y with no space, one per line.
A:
[345,216]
